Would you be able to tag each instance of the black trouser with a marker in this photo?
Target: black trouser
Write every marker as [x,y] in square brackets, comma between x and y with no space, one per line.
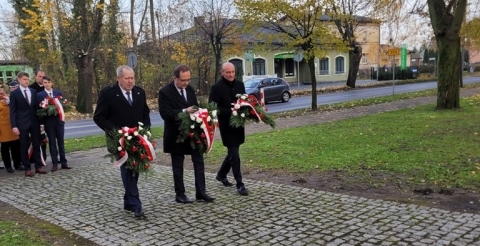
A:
[12,147]
[198,169]
[232,160]
[33,134]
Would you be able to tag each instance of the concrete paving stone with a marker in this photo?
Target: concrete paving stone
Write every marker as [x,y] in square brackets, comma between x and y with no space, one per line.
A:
[91,206]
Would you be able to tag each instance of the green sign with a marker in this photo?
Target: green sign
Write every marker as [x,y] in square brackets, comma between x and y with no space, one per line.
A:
[284,56]
[403,57]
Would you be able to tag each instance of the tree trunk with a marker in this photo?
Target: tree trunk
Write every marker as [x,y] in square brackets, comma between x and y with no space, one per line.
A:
[311,66]
[448,95]
[355,56]
[85,80]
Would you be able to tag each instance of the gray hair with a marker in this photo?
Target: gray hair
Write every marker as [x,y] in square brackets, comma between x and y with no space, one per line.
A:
[122,68]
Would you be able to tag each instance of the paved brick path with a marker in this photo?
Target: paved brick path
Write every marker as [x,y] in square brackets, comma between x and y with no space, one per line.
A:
[87,201]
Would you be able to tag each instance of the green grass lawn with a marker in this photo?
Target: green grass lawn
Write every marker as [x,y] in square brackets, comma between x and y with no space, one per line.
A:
[12,234]
[420,145]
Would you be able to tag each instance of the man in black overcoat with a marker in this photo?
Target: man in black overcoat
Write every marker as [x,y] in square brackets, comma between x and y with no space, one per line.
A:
[37,85]
[224,93]
[124,104]
[174,98]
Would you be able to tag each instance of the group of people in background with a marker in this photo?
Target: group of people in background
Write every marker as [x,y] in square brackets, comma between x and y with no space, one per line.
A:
[21,128]
[114,112]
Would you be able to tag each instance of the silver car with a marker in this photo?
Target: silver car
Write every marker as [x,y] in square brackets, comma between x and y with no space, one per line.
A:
[275,89]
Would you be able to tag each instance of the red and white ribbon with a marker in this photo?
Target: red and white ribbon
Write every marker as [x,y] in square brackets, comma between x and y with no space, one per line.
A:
[142,140]
[61,113]
[207,128]
[30,153]
[262,97]
[242,102]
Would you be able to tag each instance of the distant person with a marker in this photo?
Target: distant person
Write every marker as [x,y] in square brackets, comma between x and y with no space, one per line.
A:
[174,98]
[223,93]
[124,104]
[37,85]
[25,122]
[54,127]
[10,143]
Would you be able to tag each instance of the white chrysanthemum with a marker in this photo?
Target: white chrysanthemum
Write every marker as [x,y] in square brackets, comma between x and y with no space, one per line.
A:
[125,134]
[234,113]
[202,126]
[140,123]
[129,137]
[140,128]
[214,113]
[215,121]
[136,133]
[120,131]
[209,118]
[149,133]
[243,115]
[192,117]
[238,95]
[199,120]
[243,97]
[145,136]
[236,106]
[119,148]
[192,126]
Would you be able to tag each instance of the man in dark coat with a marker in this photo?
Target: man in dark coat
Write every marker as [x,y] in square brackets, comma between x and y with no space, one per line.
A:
[224,93]
[124,104]
[25,122]
[38,86]
[174,98]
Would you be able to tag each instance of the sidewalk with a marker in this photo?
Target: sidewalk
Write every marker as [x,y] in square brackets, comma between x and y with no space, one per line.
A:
[87,201]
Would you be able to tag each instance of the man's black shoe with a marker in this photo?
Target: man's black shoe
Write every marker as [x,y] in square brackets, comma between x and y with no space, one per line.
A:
[242,191]
[224,181]
[204,197]
[183,199]
[138,213]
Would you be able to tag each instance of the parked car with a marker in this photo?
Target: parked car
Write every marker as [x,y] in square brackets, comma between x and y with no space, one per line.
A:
[274,89]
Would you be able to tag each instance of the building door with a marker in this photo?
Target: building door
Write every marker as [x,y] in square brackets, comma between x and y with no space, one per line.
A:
[278,63]
[238,68]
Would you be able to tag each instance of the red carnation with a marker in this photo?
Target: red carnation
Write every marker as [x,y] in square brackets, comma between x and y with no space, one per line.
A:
[252,112]
[134,148]
[143,156]
[122,153]
[203,135]
[134,164]
[190,134]
[198,141]
[262,116]
[147,166]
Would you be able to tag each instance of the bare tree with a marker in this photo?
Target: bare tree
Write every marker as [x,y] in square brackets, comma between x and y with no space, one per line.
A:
[215,24]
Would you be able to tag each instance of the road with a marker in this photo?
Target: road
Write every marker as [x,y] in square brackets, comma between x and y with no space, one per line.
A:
[86,127]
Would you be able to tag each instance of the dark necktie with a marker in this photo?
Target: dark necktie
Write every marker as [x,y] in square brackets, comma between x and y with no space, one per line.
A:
[26,96]
[129,98]
[50,94]
[183,95]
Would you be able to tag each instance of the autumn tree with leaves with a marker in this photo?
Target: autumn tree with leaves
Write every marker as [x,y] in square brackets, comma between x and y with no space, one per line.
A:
[295,26]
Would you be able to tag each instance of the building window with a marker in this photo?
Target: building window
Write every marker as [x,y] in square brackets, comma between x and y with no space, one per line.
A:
[259,66]
[364,59]
[323,69]
[289,67]
[339,65]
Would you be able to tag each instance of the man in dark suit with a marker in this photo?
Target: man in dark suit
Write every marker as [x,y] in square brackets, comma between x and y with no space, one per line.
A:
[174,98]
[38,86]
[54,127]
[124,104]
[224,93]
[25,122]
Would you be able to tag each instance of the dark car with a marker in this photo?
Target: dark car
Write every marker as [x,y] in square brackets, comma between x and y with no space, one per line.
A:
[275,89]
